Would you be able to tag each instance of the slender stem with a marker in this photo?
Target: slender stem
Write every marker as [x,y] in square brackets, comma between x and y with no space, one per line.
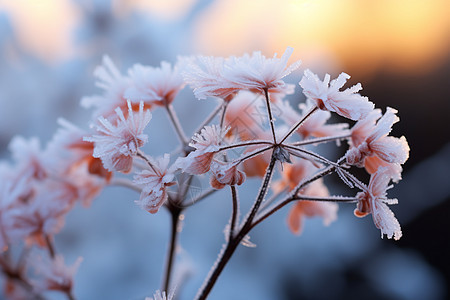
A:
[140,154]
[222,118]
[304,198]
[312,154]
[210,117]
[50,247]
[269,110]
[175,216]
[235,212]
[70,295]
[199,198]
[125,183]
[236,239]
[176,124]
[321,140]
[255,153]
[244,144]
[272,199]
[296,125]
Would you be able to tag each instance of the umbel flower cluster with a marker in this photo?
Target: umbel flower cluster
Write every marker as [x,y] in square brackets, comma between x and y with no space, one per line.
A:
[42,185]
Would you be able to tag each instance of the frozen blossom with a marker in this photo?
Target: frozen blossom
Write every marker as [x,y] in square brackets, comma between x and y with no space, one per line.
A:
[206,143]
[326,94]
[373,201]
[219,77]
[226,174]
[155,182]
[117,144]
[257,73]
[373,147]
[154,85]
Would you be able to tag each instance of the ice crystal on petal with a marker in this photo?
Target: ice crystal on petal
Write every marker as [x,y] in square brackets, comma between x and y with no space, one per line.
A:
[326,94]
[373,201]
[154,182]
[116,144]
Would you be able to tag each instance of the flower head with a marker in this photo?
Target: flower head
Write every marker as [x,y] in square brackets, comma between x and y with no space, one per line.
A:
[370,140]
[226,174]
[373,201]
[258,73]
[206,143]
[117,144]
[326,94]
[156,85]
[155,181]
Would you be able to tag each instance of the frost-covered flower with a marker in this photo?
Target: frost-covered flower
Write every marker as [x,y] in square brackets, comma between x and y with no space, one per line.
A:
[373,201]
[113,84]
[204,74]
[206,143]
[54,275]
[225,174]
[154,182]
[156,85]
[219,77]
[29,157]
[258,73]
[370,140]
[117,144]
[326,94]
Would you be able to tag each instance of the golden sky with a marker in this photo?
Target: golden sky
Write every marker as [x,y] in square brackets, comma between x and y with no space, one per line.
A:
[404,35]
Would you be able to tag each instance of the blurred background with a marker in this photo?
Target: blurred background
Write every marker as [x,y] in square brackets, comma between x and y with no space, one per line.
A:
[398,49]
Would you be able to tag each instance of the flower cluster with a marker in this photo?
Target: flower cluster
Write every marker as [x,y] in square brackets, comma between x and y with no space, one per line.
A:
[258,132]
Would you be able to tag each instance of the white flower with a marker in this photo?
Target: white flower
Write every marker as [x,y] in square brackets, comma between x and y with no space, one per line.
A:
[326,94]
[154,183]
[116,144]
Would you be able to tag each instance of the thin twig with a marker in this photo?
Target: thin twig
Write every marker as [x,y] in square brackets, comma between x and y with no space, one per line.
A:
[244,144]
[210,117]
[235,211]
[199,198]
[269,111]
[299,123]
[176,124]
[50,247]
[140,154]
[320,140]
[175,216]
[125,183]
